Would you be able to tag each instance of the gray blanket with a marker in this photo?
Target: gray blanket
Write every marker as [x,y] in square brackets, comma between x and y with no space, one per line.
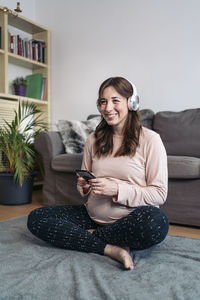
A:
[32,269]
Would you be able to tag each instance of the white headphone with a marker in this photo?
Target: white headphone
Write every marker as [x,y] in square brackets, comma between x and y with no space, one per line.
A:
[133,101]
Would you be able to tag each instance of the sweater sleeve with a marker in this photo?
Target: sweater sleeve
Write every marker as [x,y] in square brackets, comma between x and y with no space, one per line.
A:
[86,162]
[155,191]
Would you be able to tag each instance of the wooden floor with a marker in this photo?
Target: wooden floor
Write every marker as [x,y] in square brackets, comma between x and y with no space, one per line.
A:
[9,212]
[12,211]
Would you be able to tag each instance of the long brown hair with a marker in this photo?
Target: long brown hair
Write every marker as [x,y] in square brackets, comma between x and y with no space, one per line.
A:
[131,130]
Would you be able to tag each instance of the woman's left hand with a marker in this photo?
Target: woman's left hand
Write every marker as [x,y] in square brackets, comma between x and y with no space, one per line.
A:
[103,186]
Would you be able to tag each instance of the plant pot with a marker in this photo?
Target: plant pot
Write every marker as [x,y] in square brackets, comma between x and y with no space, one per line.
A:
[12,193]
[20,90]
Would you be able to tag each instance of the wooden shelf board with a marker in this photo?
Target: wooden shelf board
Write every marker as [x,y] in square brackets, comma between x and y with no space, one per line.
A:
[16,98]
[25,24]
[8,97]
[23,61]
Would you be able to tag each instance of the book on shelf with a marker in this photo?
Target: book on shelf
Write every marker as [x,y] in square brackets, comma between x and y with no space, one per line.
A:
[36,86]
[33,49]
[44,88]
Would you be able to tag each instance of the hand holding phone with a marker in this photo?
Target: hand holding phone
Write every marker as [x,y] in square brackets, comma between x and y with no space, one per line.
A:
[85,174]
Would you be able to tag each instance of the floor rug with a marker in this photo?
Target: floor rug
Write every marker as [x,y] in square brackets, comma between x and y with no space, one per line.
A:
[32,269]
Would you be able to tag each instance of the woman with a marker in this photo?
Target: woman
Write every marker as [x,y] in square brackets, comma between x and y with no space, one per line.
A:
[130,166]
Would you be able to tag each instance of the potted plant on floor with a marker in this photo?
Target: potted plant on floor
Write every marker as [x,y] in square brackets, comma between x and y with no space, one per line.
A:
[17,154]
[19,85]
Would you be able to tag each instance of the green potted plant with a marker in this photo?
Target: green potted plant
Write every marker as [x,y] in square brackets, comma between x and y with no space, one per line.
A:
[18,154]
[19,84]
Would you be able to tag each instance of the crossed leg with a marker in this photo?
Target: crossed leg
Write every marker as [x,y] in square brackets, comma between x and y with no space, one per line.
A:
[71,227]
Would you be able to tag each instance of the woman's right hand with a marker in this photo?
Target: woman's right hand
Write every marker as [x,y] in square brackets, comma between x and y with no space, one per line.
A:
[83,184]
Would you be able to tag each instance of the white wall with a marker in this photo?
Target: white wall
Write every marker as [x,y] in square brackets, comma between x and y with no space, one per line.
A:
[154,43]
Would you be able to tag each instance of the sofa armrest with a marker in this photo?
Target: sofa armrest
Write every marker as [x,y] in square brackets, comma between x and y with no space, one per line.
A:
[49,144]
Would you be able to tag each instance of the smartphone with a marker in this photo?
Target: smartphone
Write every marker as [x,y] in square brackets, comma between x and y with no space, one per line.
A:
[85,174]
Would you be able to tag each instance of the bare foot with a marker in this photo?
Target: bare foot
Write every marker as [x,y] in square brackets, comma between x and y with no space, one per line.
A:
[120,255]
[90,230]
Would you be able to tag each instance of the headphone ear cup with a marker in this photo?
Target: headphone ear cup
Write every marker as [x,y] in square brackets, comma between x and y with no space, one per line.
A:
[133,103]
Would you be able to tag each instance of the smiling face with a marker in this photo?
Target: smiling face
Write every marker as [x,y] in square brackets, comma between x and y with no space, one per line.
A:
[114,108]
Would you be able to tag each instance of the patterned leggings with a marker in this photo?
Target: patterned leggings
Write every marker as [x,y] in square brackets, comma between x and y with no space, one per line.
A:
[66,227]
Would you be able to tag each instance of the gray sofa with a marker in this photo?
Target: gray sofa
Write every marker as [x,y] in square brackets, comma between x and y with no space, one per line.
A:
[180,133]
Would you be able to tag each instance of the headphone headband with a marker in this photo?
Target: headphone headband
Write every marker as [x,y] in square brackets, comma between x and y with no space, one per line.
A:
[134,88]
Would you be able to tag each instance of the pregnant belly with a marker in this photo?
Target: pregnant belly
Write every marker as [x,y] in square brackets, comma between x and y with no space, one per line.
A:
[104,211]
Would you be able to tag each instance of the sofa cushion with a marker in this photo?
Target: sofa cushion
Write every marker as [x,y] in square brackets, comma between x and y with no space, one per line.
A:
[183,167]
[179,131]
[74,133]
[66,162]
